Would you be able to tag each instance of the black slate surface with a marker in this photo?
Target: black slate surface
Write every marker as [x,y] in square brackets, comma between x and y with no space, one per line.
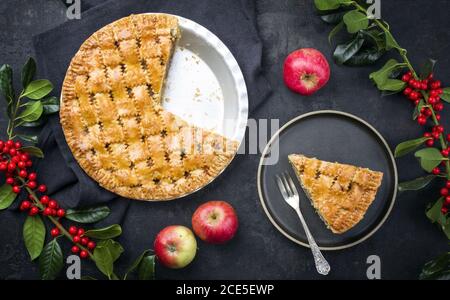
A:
[404,243]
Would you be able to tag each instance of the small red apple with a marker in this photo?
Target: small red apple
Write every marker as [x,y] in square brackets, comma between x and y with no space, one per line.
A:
[215,222]
[175,246]
[306,71]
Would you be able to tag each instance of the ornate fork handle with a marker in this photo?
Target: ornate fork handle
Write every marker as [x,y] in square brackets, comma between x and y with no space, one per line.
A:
[322,265]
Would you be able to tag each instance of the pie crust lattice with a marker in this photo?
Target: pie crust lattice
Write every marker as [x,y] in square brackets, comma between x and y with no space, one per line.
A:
[340,193]
[114,122]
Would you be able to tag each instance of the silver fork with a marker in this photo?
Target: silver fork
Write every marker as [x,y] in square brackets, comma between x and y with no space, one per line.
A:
[290,195]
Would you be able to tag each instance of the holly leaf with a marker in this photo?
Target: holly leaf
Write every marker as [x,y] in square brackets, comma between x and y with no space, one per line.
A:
[33,111]
[88,215]
[355,21]
[381,76]
[333,18]
[415,184]
[392,85]
[51,261]
[38,89]
[104,256]
[427,68]
[365,57]
[105,233]
[437,269]
[146,270]
[136,264]
[334,31]
[446,95]
[6,86]
[344,52]
[391,43]
[7,196]
[327,4]
[429,158]
[50,105]
[435,215]
[28,72]
[28,138]
[34,235]
[32,150]
[409,146]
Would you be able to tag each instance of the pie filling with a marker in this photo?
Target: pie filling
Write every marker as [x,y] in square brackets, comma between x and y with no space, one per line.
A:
[114,122]
[340,193]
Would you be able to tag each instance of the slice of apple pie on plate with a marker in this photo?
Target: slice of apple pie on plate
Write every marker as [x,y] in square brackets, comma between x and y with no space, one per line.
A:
[340,193]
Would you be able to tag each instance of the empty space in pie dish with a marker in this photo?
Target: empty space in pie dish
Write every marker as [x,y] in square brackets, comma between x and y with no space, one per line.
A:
[202,87]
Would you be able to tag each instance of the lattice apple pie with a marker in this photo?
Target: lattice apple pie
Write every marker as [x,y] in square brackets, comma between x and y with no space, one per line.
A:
[341,194]
[114,122]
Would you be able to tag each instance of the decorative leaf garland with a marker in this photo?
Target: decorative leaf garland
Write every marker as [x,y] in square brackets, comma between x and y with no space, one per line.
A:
[369,39]
[30,109]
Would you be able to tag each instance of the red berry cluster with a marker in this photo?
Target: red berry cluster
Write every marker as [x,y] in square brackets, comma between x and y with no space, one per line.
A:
[79,238]
[445,192]
[414,93]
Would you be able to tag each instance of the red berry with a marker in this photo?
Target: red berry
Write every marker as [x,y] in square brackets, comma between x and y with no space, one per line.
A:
[434,93]
[21,164]
[29,163]
[2,144]
[428,112]
[444,210]
[47,211]
[427,134]
[438,117]
[406,77]
[32,184]
[421,120]
[438,106]
[42,188]
[54,232]
[44,200]
[52,204]
[12,152]
[436,171]
[84,241]
[10,180]
[16,189]
[60,212]
[75,249]
[91,245]
[414,95]
[436,84]
[432,100]
[23,173]
[407,91]
[10,143]
[423,86]
[32,176]
[24,157]
[440,128]
[3,166]
[80,231]
[73,230]
[18,145]
[11,167]
[16,159]
[25,205]
[447,184]
[447,200]
[416,102]
[76,239]
[448,137]
[445,153]
[412,82]
[33,211]
[444,192]
[84,254]
[429,143]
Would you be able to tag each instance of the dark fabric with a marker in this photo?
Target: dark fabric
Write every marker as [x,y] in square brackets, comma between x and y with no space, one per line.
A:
[233,23]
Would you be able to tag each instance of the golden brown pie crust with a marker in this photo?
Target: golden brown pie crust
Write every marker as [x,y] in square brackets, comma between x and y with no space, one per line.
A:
[340,193]
[115,125]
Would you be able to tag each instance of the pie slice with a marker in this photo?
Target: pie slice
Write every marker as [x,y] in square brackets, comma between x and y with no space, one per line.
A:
[115,124]
[341,194]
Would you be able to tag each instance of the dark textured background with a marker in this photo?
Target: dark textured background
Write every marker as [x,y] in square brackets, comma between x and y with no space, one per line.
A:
[404,243]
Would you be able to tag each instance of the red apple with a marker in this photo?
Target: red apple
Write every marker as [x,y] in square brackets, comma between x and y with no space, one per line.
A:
[215,222]
[306,71]
[175,246]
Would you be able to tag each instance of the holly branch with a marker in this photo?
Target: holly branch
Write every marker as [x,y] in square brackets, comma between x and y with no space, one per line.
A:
[369,39]
[30,109]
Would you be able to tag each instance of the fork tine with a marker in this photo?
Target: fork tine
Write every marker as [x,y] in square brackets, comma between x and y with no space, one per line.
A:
[291,183]
[281,187]
[286,184]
